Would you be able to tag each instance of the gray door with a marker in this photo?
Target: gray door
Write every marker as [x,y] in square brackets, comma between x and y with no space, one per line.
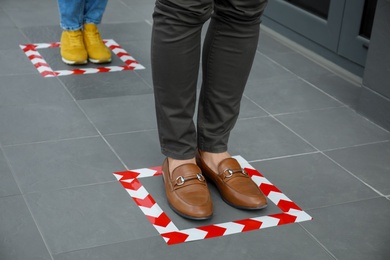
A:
[356,29]
[333,24]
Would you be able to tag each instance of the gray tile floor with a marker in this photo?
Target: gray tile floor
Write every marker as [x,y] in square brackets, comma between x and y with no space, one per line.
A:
[62,138]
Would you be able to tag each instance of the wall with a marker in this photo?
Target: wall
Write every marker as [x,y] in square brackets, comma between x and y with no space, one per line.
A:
[374,101]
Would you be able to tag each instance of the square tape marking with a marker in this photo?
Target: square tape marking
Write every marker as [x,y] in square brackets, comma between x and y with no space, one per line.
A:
[31,50]
[291,213]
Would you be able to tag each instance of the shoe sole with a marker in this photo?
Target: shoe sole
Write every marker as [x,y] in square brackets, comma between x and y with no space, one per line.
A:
[244,208]
[99,61]
[70,62]
[188,217]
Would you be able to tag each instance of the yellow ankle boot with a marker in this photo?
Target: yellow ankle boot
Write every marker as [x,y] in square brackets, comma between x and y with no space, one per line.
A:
[97,51]
[72,48]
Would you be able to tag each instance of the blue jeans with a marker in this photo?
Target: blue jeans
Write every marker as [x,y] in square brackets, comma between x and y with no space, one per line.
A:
[75,13]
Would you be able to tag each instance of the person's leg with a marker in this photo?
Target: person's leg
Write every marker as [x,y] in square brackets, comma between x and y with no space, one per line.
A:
[228,54]
[93,11]
[93,14]
[175,57]
[71,21]
[175,54]
[71,14]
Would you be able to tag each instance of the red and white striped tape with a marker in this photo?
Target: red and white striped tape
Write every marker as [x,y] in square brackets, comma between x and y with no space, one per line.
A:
[46,71]
[291,213]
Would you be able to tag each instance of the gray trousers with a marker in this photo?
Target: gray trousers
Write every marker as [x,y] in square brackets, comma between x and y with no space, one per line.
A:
[227,56]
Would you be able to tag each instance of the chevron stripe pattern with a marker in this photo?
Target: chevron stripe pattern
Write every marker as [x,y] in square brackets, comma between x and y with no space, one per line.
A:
[290,212]
[31,50]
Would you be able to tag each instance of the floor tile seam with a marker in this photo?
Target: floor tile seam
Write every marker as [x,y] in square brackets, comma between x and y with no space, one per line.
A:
[355,176]
[253,117]
[309,110]
[316,240]
[104,245]
[355,146]
[258,105]
[61,103]
[19,75]
[372,122]
[23,33]
[137,3]
[50,141]
[288,128]
[9,17]
[277,63]
[369,186]
[313,146]
[374,196]
[12,173]
[50,190]
[97,130]
[149,22]
[38,228]
[144,80]
[344,106]
[314,57]
[320,152]
[27,205]
[11,169]
[69,187]
[295,112]
[322,91]
[132,21]
[292,131]
[124,96]
[284,157]
[303,79]
[131,132]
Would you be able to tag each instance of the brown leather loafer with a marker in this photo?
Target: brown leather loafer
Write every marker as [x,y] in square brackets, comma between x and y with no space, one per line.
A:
[234,184]
[187,191]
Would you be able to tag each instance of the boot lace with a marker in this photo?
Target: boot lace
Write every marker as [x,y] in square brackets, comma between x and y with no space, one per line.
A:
[76,39]
[94,37]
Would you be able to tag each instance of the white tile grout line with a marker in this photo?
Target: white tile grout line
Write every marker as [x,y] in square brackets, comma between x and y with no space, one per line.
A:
[299,77]
[365,183]
[26,203]
[314,86]
[318,242]
[104,139]
[97,130]
[313,56]
[319,151]
[356,145]
[283,157]
[132,132]
[51,141]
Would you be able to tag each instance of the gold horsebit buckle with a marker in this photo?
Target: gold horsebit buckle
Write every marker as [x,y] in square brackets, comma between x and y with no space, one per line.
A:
[228,173]
[181,180]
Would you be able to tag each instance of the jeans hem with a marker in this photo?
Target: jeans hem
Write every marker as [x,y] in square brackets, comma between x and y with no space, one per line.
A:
[177,156]
[71,28]
[220,149]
